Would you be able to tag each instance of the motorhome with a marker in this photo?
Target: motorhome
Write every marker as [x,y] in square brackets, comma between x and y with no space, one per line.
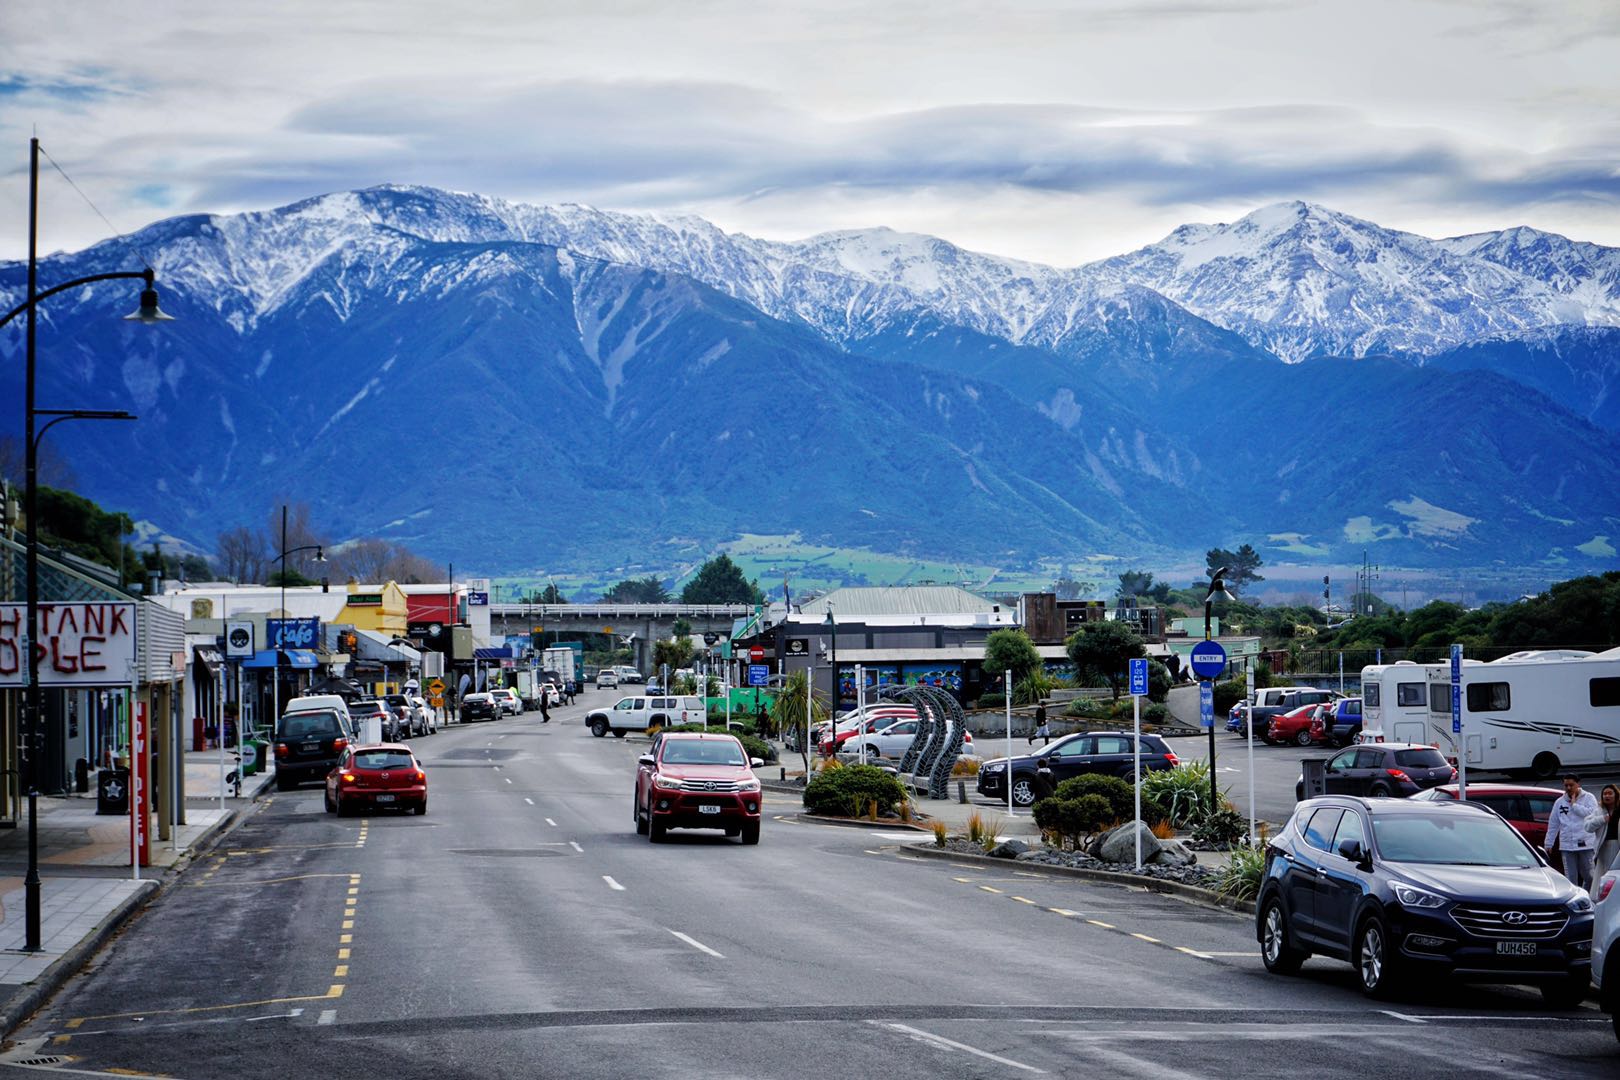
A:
[1539,711]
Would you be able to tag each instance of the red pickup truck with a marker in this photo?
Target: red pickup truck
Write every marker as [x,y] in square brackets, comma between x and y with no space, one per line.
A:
[694,780]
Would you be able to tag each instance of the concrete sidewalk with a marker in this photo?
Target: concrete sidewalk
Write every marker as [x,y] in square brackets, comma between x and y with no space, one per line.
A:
[87,887]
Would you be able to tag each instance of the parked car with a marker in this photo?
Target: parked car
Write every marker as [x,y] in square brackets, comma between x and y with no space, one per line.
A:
[480,706]
[607,677]
[1521,806]
[893,741]
[1107,753]
[419,703]
[1404,889]
[641,712]
[1337,724]
[655,687]
[1285,699]
[361,711]
[1293,726]
[629,674]
[412,718]
[1606,945]
[387,775]
[692,780]
[308,743]
[507,699]
[1383,770]
[876,718]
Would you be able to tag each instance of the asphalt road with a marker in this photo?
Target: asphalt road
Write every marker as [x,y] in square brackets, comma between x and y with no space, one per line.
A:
[523,929]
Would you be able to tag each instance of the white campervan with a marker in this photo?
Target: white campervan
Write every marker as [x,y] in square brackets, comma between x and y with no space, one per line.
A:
[1539,711]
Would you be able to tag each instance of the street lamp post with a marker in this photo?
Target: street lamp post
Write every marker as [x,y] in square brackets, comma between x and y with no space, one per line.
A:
[281,560]
[33,704]
[1217,589]
[832,653]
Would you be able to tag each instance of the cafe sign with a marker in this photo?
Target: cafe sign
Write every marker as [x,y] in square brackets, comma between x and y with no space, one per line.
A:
[78,645]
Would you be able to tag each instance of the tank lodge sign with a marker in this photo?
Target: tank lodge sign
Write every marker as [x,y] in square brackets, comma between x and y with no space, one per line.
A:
[82,644]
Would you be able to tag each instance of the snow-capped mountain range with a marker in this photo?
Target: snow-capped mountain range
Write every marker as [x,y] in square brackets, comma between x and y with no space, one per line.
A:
[1046,406]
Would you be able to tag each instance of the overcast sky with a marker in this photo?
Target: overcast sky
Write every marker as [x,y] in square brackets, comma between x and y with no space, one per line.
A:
[1055,131]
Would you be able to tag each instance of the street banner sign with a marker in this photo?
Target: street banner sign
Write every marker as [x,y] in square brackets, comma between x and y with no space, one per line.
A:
[139,788]
[478,599]
[1456,689]
[1208,660]
[293,633]
[1139,677]
[759,675]
[1206,705]
[78,644]
[239,640]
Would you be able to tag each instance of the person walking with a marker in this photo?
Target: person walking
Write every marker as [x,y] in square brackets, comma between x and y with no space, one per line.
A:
[1566,830]
[1043,731]
[545,705]
[1605,825]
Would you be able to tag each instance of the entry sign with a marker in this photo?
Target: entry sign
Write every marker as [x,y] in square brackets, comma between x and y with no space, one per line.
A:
[759,675]
[1456,689]
[1139,677]
[756,653]
[1208,659]
[1206,705]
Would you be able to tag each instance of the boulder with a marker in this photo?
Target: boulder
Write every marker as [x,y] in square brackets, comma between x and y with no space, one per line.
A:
[1173,853]
[1119,846]
[1009,849]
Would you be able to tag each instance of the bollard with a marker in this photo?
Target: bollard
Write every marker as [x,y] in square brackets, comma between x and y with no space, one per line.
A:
[961,792]
[784,774]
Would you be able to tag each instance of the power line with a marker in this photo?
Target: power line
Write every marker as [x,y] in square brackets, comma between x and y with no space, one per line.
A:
[117,233]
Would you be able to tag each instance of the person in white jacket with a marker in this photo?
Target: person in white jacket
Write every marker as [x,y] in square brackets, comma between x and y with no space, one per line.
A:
[1566,829]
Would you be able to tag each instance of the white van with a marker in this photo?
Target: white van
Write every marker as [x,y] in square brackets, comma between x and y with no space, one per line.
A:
[313,702]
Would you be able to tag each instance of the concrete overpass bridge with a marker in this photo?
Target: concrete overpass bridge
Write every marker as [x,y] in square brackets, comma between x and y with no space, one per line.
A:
[641,623]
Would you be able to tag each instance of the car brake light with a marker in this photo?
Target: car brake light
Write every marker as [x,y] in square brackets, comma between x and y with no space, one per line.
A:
[1604,886]
[348,778]
[1172,759]
[1399,775]
[281,749]
[421,777]
[339,744]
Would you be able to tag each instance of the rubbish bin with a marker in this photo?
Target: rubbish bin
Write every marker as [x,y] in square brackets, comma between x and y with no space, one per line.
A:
[112,791]
[253,757]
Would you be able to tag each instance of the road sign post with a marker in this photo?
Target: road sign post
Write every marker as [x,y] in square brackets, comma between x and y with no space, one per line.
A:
[1456,721]
[1248,686]
[1139,689]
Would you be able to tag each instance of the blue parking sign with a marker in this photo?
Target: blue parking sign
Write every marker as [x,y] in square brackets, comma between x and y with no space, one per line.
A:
[1206,704]
[1139,677]
[759,674]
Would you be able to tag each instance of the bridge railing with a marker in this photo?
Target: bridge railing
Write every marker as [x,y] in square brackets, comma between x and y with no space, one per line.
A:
[622,611]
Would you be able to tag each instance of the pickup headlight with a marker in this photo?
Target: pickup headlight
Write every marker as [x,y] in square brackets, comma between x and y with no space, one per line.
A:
[1413,897]
[662,781]
[748,785]
[1581,904]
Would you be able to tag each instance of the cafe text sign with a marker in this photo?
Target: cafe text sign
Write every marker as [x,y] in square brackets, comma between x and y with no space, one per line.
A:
[80,644]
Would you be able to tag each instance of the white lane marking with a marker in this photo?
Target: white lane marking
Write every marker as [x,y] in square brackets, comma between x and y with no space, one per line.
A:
[508,779]
[528,800]
[898,835]
[696,944]
[951,1044]
[576,847]
[497,768]
[328,1016]
[1402,1016]
[614,885]
[1209,952]
[553,824]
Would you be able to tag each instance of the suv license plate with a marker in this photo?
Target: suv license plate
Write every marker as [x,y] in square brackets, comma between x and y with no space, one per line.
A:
[390,798]
[1515,948]
[310,747]
[713,810]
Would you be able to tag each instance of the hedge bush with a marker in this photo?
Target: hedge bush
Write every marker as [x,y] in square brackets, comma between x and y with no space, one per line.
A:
[1120,795]
[848,791]
[1074,821]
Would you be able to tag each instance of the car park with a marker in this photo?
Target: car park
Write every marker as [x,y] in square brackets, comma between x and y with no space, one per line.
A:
[1383,770]
[1105,753]
[308,743]
[480,706]
[507,699]
[1403,889]
[1524,807]
[375,778]
[692,780]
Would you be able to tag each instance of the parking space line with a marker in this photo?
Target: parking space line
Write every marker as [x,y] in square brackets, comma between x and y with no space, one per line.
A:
[576,847]
[528,800]
[696,944]
[952,1044]
[553,824]
[328,1016]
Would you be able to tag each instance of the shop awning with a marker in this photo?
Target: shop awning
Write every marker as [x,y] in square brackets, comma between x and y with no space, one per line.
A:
[503,652]
[208,658]
[297,659]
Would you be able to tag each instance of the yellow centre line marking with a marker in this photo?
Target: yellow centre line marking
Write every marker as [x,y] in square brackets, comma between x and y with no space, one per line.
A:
[1144,937]
[341,971]
[988,888]
[336,991]
[348,924]
[1064,912]
[1021,900]
[60,1039]
[346,939]
[343,954]
[1105,926]
[271,881]
[77,1022]
[354,891]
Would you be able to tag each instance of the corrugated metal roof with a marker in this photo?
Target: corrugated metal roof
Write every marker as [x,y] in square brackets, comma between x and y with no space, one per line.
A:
[853,603]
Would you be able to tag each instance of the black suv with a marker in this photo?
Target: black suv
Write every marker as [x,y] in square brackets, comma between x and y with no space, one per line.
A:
[1400,887]
[1382,770]
[1111,753]
[308,745]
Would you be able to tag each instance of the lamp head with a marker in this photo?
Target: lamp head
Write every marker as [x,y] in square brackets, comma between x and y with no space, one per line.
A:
[320,553]
[149,312]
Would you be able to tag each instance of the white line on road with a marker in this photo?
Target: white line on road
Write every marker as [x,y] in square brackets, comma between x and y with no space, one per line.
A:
[553,824]
[508,779]
[328,1016]
[897,835]
[576,847]
[614,885]
[1402,1016]
[698,945]
[951,1044]
[528,800]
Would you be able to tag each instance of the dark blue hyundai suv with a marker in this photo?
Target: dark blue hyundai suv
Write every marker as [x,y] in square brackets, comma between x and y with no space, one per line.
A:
[1401,888]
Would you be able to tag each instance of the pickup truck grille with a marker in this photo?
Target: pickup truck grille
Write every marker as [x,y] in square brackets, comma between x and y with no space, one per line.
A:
[1510,923]
[710,785]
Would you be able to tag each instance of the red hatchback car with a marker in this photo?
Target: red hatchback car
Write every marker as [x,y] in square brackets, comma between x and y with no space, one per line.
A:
[1293,726]
[387,775]
[1525,808]
[693,780]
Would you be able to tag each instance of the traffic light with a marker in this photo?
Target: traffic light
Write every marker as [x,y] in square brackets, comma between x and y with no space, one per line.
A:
[537,640]
[1327,588]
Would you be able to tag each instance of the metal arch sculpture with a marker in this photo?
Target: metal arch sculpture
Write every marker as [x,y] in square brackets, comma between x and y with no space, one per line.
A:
[925,761]
[943,724]
[939,776]
[925,730]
